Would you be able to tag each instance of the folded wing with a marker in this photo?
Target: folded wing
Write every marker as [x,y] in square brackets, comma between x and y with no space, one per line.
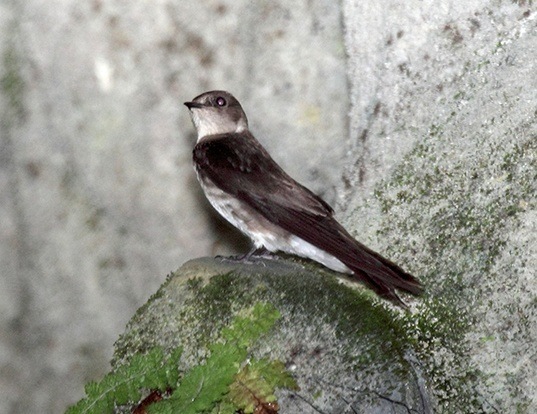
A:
[240,166]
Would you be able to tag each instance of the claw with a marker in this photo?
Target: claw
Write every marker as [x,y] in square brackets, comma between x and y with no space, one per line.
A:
[259,252]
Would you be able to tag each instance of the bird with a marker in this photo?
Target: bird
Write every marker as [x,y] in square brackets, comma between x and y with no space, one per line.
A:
[252,192]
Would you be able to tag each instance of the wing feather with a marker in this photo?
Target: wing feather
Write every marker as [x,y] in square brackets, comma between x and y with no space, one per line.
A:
[240,166]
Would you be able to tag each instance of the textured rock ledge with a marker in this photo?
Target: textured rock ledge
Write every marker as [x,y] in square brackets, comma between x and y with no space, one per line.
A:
[346,349]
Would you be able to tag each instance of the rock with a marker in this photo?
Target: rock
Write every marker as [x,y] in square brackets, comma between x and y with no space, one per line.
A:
[344,347]
[97,192]
[445,130]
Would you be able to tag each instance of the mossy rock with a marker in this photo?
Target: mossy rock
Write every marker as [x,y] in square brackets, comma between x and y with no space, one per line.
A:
[345,348]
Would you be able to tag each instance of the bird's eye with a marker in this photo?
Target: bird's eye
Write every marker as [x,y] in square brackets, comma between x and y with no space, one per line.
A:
[221,101]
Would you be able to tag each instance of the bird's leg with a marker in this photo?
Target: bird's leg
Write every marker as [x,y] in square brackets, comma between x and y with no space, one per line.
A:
[253,253]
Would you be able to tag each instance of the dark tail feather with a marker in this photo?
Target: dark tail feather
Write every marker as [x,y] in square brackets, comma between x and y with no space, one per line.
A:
[382,289]
[317,226]
[383,276]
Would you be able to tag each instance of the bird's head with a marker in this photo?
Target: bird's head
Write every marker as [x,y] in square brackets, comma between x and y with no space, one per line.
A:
[217,112]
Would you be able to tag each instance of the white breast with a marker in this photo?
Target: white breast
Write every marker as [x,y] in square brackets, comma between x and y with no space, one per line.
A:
[264,233]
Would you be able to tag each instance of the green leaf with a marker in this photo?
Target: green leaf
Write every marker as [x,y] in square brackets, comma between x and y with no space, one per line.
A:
[149,371]
[257,382]
[205,385]
[202,388]
[224,407]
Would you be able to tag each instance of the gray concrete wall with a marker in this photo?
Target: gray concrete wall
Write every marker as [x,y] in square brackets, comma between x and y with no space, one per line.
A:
[442,178]
[435,168]
[98,199]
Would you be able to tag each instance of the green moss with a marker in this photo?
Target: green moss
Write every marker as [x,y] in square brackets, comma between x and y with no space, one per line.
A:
[458,203]
[12,86]
[144,324]
[224,377]
[216,299]
[196,311]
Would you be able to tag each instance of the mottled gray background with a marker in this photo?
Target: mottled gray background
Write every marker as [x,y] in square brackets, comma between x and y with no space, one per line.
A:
[98,200]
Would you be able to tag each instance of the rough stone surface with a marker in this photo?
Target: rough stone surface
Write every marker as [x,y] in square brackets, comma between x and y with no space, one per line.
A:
[444,131]
[347,351]
[98,199]
[97,193]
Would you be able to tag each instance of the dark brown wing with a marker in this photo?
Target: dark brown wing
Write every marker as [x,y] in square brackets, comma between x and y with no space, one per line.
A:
[379,273]
[240,166]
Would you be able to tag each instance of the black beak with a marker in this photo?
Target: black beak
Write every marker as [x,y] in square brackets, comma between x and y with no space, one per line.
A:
[191,105]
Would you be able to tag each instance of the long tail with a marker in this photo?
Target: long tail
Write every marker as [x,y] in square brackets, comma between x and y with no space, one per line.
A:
[378,273]
[317,226]
[382,275]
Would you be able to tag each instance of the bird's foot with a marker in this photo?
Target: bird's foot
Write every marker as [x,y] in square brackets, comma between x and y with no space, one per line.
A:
[249,257]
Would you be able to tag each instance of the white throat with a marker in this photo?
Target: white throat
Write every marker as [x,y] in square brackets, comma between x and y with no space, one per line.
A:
[207,125]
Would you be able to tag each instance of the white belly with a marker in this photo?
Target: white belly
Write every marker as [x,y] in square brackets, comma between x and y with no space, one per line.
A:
[264,233]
